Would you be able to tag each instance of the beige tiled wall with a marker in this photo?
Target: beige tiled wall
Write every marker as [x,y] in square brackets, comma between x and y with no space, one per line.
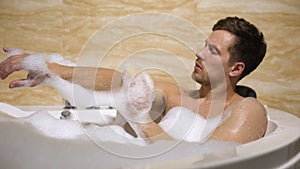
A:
[67,27]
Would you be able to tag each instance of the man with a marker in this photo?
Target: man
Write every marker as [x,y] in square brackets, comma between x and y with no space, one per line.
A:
[233,50]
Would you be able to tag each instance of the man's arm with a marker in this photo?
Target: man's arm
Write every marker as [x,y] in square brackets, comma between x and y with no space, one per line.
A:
[93,78]
[150,130]
[89,77]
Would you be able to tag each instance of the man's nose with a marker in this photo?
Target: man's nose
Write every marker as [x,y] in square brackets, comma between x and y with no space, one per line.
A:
[200,55]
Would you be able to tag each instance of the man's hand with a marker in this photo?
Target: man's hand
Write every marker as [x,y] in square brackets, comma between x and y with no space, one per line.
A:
[18,60]
[137,95]
[12,63]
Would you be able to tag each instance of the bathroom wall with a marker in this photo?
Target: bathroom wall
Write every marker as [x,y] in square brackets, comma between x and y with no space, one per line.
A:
[73,29]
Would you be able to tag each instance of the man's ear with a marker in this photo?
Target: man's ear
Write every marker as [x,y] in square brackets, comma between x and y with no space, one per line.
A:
[237,69]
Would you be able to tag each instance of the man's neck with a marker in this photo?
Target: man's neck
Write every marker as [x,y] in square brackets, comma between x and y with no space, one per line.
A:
[213,101]
[218,93]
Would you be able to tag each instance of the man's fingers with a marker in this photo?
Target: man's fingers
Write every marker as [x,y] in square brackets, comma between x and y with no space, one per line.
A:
[5,49]
[17,83]
[29,82]
[38,80]
[10,65]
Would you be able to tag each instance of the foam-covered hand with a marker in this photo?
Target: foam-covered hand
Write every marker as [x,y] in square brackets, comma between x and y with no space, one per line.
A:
[35,64]
[136,97]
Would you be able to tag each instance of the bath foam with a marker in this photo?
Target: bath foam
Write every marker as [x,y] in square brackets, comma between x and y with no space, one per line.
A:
[50,126]
[56,128]
[182,124]
[42,121]
[112,133]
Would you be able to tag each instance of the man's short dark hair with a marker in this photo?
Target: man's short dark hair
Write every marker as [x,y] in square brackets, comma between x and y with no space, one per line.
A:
[249,46]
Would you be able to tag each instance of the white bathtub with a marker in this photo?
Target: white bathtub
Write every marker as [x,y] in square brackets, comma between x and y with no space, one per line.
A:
[23,146]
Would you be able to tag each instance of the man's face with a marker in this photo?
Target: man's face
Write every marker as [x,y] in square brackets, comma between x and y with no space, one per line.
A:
[212,60]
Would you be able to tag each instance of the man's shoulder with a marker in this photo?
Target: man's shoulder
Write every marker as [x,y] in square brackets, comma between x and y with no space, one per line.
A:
[251,101]
[249,106]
